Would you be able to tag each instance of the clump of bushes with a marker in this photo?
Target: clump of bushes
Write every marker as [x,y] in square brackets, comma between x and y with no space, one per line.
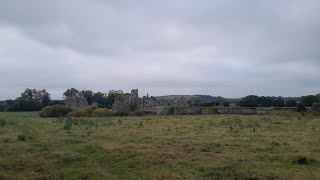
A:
[55,111]
[94,111]
[301,107]
[84,112]
[101,112]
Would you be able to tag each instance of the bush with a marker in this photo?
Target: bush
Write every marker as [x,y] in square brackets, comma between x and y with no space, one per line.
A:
[301,107]
[291,103]
[279,102]
[101,112]
[83,112]
[55,111]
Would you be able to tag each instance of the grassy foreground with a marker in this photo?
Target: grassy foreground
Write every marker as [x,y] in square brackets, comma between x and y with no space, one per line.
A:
[278,146]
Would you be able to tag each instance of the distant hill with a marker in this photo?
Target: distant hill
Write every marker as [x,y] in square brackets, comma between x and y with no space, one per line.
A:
[170,97]
[203,98]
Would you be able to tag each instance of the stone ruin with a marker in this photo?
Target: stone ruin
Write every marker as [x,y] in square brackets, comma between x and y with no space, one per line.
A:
[76,102]
[132,102]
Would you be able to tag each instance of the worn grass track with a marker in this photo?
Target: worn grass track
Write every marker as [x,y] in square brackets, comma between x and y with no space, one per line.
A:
[277,146]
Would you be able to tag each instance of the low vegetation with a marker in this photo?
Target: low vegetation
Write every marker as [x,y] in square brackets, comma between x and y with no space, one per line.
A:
[55,111]
[280,145]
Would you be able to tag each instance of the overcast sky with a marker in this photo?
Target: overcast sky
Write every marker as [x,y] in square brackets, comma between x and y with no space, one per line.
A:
[230,48]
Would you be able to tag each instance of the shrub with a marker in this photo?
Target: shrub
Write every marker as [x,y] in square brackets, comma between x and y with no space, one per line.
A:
[83,112]
[301,107]
[101,112]
[291,103]
[55,111]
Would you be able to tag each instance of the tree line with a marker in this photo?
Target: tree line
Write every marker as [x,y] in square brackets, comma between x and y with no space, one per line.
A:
[262,101]
[35,100]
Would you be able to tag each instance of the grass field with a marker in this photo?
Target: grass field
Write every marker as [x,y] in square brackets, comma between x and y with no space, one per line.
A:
[277,146]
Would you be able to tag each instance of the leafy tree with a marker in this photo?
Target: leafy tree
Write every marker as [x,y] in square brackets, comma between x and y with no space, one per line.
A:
[278,102]
[249,101]
[309,100]
[31,100]
[45,99]
[291,103]
[2,106]
[265,101]
[23,104]
[100,98]
[72,93]
[88,94]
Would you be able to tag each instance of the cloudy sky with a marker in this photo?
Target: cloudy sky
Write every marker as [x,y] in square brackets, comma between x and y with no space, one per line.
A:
[230,48]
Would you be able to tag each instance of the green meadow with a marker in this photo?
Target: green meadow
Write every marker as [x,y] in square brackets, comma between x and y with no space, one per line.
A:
[283,145]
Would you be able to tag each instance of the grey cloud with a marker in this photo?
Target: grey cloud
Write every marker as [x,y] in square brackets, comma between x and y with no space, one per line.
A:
[230,48]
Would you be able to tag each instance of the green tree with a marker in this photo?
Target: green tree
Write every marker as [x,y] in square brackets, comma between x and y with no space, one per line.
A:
[87,94]
[265,101]
[32,98]
[72,93]
[100,99]
[45,99]
[309,100]
[249,101]
[24,104]
[278,102]
[291,103]
[111,98]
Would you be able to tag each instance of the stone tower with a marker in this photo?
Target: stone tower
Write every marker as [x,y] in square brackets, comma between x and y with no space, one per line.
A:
[134,93]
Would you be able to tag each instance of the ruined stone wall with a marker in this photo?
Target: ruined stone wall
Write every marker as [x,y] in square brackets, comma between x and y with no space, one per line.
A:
[207,110]
[76,102]
[175,106]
